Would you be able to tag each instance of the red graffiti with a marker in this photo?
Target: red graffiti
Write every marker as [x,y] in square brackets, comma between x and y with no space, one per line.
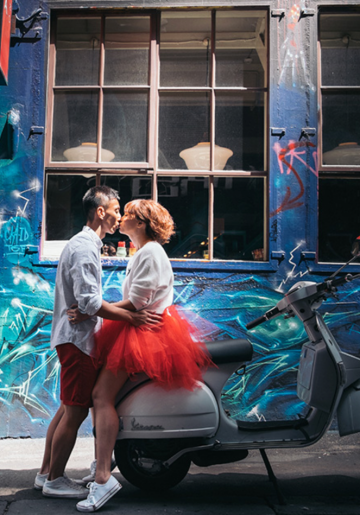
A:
[286,158]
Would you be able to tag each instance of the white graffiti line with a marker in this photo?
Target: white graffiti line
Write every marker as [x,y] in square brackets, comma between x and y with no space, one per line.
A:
[19,194]
[255,411]
[291,274]
[34,308]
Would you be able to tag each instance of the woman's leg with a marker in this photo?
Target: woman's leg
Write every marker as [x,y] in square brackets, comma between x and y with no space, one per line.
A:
[106,420]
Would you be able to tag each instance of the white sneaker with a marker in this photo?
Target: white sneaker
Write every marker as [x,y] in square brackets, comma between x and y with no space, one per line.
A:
[41,478]
[91,476]
[64,487]
[99,495]
[40,481]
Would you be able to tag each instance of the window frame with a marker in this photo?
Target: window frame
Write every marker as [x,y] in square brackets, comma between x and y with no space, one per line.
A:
[326,171]
[150,167]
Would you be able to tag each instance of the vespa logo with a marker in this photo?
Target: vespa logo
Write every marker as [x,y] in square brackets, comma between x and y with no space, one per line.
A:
[136,426]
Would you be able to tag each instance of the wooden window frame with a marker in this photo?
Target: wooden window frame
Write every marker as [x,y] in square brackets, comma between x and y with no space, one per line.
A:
[154,88]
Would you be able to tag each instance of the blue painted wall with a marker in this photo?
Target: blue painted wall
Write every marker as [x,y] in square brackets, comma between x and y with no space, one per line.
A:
[220,301]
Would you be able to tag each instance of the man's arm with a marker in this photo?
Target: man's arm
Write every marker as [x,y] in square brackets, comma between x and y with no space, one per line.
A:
[123,310]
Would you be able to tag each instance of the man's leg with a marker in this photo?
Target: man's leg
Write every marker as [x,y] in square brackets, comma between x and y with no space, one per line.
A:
[64,439]
[45,467]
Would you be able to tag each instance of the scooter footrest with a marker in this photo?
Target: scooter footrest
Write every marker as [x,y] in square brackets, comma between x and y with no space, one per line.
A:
[271,424]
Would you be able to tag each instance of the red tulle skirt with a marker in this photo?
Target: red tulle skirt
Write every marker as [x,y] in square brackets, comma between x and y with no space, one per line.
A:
[170,353]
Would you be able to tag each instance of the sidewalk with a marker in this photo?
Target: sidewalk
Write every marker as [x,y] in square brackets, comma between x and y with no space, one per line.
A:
[323,479]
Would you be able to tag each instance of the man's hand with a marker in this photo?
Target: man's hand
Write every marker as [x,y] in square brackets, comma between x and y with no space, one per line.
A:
[74,315]
[138,318]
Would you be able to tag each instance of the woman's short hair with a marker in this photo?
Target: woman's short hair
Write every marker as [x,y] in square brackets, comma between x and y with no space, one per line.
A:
[95,197]
[159,223]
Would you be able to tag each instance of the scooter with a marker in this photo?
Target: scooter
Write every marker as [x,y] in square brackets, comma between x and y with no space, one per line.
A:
[162,432]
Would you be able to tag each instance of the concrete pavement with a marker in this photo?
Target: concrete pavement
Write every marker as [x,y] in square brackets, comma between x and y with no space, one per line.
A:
[323,479]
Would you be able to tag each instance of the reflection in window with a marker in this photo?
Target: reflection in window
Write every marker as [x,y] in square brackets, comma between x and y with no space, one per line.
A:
[77,52]
[183,122]
[127,50]
[185,49]
[75,126]
[239,126]
[241,58]
[339,218]
[186,198]
[125,125]
[64,213]
[239,218]
[340,74]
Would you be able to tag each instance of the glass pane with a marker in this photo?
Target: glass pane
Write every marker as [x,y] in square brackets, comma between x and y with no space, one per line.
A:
[75,126]
[125,123]
[241,54]
[239,127]
[239,218]
[185,53]
[64,213]
[183,123]
[339,220]
[340,49]
[77,51]
[127,50]
[341,128]
[129,187]
[186,198]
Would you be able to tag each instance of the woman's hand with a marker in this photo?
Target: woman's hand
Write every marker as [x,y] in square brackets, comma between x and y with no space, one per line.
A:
[74,315]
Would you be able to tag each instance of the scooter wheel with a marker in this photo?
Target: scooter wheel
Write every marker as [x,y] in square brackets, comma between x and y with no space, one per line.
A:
[141,463]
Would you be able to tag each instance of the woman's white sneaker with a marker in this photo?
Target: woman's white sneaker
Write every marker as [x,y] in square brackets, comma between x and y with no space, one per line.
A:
[91,476]
[99,495]
[40,481]
[64,487]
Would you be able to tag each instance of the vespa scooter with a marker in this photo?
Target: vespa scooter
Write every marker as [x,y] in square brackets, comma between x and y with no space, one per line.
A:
[162,432]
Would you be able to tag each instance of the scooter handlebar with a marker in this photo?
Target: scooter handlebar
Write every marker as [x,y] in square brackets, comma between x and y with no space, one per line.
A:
[273,312]
[256,322]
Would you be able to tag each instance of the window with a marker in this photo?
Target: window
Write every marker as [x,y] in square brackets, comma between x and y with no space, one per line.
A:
[170,106]
[339,184]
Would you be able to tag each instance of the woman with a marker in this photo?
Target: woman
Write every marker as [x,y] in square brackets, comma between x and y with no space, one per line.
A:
[167,353]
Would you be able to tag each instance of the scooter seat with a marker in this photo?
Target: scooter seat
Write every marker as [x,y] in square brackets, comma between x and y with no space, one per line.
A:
[230,351]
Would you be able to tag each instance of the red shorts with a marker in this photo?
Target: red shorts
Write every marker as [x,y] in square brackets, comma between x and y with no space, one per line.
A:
[78,376]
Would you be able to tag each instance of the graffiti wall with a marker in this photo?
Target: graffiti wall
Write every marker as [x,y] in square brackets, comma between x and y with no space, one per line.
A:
[219,302]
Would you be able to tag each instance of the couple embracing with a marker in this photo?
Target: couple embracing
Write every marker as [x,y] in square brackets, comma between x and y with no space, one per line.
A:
[141,333]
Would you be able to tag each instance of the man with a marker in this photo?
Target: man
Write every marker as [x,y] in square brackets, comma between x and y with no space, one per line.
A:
[78,281]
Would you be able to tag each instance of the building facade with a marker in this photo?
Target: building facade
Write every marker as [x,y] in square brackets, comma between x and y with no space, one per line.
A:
[241,117]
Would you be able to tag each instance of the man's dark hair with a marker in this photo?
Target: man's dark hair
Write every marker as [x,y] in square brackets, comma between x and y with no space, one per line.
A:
[95,197]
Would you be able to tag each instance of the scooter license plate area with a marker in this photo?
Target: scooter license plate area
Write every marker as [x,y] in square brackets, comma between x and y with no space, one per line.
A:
[318,379]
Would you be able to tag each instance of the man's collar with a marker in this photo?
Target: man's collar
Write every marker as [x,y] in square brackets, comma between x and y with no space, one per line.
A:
[94,236]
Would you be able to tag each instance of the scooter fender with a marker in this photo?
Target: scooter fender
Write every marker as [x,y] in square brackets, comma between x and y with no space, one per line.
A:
[149,411]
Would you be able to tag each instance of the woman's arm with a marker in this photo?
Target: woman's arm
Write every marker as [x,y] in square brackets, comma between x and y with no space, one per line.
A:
[115,312]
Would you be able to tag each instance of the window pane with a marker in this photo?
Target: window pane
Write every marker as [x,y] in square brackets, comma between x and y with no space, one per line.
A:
[185,55]
[125,123]
[127,50]
[341,128]
[340,49]
[186,198]
[64,212]
[77,51]
[239,127]
[241,54]
[339,218]
[75,126]
[129,188]
[239,218]
[184,122]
